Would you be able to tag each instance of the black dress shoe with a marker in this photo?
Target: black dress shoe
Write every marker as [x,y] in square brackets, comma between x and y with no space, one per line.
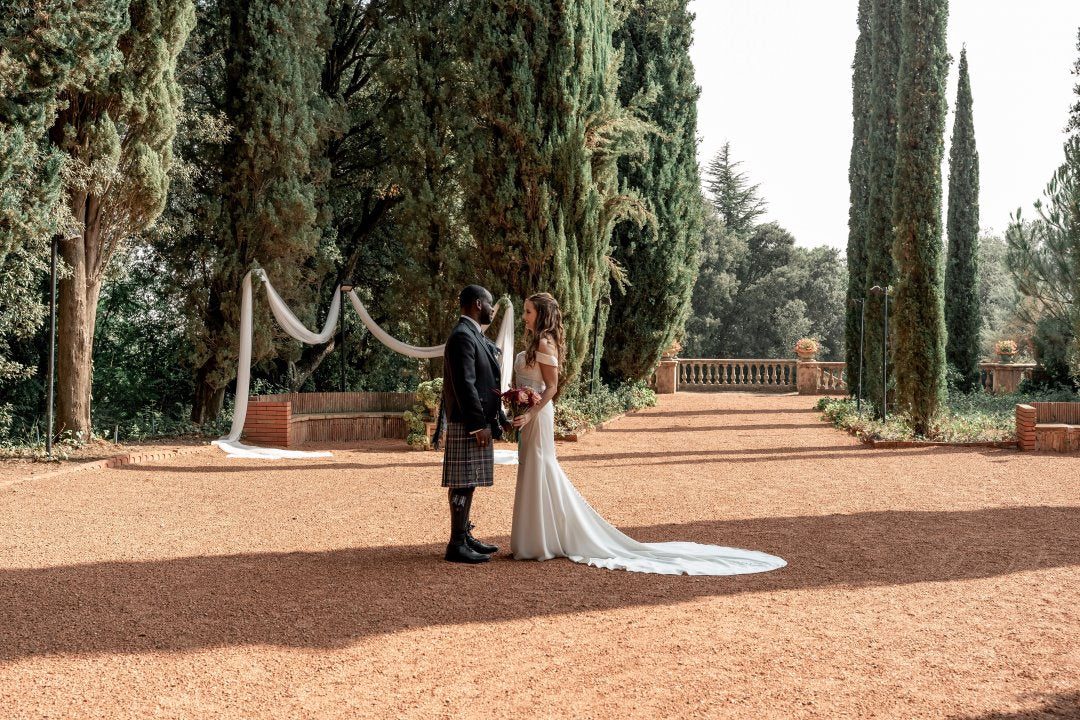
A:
[464,554]
[476,545]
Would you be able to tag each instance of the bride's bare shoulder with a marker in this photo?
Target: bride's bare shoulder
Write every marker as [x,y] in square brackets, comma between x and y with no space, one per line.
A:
[545,345]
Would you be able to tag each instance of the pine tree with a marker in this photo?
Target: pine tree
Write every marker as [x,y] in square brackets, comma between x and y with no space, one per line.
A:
[541,184]
[858,208]
[880,269]
[117,134]
[740,203]
[267,214]
[962,313]
[661,258]
[919,327]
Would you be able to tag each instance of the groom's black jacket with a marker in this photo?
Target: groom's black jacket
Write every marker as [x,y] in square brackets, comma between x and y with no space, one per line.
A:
[471,380]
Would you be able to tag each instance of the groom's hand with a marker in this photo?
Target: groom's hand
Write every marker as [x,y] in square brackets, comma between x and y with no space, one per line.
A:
[483,437]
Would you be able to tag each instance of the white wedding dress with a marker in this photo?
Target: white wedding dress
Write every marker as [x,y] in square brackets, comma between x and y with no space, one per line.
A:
[552,519]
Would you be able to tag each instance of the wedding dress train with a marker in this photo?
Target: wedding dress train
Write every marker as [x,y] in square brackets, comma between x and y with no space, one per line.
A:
[552,519]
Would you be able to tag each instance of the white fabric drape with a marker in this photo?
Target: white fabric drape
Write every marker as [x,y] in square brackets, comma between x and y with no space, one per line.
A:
[296,329]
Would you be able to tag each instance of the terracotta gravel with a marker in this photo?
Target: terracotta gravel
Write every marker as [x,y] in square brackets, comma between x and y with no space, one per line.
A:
[922,583]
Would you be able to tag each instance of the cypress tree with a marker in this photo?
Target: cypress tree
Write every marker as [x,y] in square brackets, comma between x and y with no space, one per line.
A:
[267,213]
[880,269]
[962,314]
[919,329]
[45,48]
[116,133]
[858,208]
[661,258]
[541,183]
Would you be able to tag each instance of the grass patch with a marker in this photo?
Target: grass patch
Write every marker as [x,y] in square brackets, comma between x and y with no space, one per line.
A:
[973,417]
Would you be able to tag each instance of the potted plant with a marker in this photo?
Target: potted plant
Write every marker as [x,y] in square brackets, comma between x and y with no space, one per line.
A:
[806,348]
[672,350]
[1005,350]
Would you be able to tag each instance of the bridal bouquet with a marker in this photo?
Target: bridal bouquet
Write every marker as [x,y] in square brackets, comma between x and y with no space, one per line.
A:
[518,401]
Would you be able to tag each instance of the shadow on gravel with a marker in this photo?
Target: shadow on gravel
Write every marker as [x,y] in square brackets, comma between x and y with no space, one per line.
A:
[1064,705]
[331,598]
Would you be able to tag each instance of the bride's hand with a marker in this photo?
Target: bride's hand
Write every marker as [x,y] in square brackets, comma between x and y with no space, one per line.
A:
[523,419]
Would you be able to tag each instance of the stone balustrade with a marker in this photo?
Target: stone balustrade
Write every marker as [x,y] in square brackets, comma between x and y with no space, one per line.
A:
[732,374]
[808,377]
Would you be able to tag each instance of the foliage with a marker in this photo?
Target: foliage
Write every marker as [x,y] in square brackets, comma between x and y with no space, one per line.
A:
[423,411]
[577,411]
[659,258]
[881,167]
[919,328]
[1051,340]
[781,293]
[962,312]
[858,190]
[264,214]
[542,178]
[965,417]
[1044,255]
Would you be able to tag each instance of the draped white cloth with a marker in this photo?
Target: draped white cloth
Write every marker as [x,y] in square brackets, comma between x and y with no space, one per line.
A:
[291,324]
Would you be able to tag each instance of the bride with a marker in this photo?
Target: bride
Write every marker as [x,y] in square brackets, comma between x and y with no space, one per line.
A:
[551,518]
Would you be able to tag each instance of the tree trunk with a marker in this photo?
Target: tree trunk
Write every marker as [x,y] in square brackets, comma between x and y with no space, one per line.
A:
[209,400]
[77,297]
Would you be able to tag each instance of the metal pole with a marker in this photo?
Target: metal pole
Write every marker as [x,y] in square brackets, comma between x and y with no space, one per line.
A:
[52,349]
[862,330]
[343,328]
[885,361]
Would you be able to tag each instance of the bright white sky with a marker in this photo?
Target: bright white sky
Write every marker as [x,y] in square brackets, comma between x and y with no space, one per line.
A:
[775,79]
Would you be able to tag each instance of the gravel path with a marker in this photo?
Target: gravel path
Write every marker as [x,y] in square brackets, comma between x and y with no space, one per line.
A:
[922,583]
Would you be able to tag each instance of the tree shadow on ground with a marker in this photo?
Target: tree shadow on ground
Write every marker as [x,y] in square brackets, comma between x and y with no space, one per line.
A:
[332,598]
[725,411]
[1063,705]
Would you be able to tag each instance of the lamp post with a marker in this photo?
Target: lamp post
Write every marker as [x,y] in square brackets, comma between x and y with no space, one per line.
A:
[883,292]
[52,347]
[862,331]
[345,290]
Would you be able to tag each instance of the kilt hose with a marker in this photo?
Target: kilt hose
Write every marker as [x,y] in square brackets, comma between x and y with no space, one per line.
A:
[466,464]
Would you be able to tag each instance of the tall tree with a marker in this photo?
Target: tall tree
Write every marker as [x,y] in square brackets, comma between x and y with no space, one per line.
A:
[117,135]
[740,203]
[858,208]
[266,214]
[880,268]
[661,258]
[919,327]
[46,47]
[716,288]
[542,182]
[962,314]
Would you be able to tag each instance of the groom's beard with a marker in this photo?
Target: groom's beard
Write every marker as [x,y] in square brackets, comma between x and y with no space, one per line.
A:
[487,318]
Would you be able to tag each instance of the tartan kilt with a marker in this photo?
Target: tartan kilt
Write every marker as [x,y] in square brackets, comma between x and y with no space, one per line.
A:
[466,464]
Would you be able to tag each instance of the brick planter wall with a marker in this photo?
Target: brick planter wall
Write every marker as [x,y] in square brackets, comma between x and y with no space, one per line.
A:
[268,423]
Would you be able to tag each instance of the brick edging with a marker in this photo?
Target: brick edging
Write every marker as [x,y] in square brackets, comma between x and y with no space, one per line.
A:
[885,444]
[133,458]
[577,434]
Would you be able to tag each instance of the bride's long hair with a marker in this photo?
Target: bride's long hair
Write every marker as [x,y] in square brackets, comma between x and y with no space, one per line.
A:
[548,324]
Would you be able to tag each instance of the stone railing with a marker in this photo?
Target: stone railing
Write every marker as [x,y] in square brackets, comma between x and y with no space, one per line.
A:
[730,374]
[822,378]
[808,377]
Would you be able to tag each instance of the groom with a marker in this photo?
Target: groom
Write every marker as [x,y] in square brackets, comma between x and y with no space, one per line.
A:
[474,414]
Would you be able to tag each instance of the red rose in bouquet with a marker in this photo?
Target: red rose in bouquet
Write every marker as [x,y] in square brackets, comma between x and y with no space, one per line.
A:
[519,400]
